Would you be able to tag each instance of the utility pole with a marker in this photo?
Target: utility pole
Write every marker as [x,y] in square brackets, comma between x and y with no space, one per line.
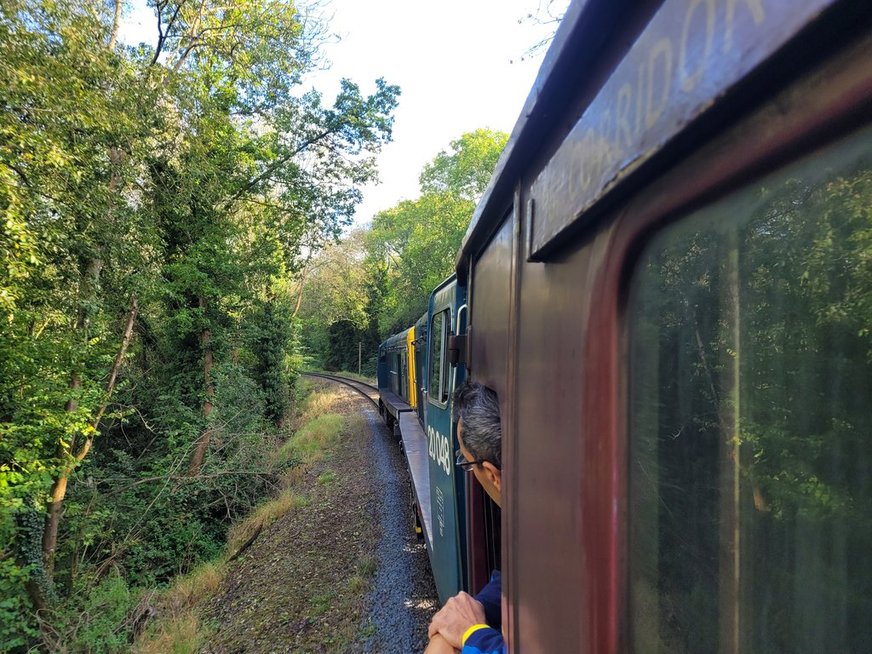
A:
[359,355]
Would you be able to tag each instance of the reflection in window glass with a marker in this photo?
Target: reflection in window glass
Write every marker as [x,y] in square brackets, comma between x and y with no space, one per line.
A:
[437,336]
[751,421]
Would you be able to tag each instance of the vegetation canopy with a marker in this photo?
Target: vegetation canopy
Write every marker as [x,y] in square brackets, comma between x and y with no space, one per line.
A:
[157,204]
[378,279]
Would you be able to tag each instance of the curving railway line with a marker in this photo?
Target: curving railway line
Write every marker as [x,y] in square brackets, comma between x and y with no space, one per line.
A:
[369,391]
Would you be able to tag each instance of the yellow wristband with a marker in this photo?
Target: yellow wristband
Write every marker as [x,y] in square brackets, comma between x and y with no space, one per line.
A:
[470,631]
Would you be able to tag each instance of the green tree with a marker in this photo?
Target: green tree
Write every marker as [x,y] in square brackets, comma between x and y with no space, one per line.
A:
[335,294]
[155,203]
[465,170]
[415,243]
[75,118]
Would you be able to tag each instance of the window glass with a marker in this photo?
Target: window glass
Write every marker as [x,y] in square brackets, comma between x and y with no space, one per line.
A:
[395,364]
[750,419]
[437,388]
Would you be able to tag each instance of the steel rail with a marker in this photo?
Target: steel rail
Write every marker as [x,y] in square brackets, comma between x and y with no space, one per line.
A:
[352,383]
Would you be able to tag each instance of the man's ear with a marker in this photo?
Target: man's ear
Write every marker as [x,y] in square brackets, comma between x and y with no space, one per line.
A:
[493,474]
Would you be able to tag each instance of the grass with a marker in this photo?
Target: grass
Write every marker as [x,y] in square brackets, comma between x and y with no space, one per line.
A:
[317,430]
[357,584]
[368,630]
[183,634]
[320,603]
[181,631]
[194,586]
[367,566]
[365,569]
[263,516]
[312,440]
[316,404]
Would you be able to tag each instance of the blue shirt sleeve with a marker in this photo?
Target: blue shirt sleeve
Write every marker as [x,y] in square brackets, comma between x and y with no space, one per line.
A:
[491,599]
[484,641]
[489,641]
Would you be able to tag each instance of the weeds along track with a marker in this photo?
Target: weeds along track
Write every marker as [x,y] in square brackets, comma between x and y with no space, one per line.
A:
[369,391]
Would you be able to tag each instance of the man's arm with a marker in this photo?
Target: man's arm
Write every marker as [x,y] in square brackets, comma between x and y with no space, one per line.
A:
[485,641]
[438,645]
[455,618]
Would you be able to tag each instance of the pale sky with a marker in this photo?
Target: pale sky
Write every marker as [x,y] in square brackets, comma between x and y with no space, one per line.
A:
[460,65]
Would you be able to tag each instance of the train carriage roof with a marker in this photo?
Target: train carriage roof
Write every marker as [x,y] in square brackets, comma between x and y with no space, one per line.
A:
[578,42]
[573,145]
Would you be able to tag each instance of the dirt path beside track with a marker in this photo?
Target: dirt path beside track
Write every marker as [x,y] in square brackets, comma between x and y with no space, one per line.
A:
[341,573]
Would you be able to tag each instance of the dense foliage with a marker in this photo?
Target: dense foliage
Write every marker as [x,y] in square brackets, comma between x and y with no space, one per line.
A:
[156,203]
[377,281]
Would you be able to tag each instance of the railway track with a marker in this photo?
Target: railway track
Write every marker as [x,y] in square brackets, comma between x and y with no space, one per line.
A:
[369,391]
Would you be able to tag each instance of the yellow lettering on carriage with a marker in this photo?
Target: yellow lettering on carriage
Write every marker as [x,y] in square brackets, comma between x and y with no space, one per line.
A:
[623,134]
[757,14]
[662,53]
[688,81]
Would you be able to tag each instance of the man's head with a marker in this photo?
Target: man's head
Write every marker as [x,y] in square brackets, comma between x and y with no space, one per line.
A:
[477,412]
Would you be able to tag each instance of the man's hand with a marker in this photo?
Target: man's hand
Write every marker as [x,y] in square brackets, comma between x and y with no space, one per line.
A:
[459,614]
[438,645]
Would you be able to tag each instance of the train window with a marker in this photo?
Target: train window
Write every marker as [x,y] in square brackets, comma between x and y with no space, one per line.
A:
[394,375]
[750,422]
[438,385]
[404,376]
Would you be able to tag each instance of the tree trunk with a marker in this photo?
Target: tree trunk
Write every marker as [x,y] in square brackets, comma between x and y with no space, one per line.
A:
[89,279]
[50,537]
[201,446]
[74,458]
[116,24]
[303,274]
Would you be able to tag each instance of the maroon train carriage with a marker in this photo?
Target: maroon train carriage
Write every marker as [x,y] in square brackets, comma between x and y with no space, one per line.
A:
[670,287]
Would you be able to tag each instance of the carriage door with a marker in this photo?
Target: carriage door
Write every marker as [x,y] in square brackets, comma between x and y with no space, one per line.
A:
[444,542]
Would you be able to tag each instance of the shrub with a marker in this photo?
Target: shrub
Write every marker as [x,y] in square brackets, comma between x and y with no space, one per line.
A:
[97,623]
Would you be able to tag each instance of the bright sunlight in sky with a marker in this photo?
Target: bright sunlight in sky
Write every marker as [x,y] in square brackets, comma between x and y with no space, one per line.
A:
[461,65]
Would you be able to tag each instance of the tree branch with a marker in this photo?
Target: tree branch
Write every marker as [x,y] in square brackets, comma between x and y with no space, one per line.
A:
[278,163]
[116,24]
[20,173]
[113,375]
[186,478]
[164,35]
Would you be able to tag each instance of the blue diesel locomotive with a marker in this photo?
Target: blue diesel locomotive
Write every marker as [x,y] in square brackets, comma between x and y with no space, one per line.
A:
[418,370]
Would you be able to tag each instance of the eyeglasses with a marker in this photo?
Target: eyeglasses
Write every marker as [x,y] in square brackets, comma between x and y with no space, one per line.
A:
[461,462]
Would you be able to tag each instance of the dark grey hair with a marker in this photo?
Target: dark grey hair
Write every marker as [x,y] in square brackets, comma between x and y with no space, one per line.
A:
[479,408]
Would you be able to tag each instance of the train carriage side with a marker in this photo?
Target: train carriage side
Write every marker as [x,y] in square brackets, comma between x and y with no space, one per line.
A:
[393,378]
[446,318]
[668,283]
[420,414]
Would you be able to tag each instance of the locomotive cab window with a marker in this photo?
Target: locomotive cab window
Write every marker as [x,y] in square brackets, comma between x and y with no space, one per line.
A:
[750,378]
[438,336]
